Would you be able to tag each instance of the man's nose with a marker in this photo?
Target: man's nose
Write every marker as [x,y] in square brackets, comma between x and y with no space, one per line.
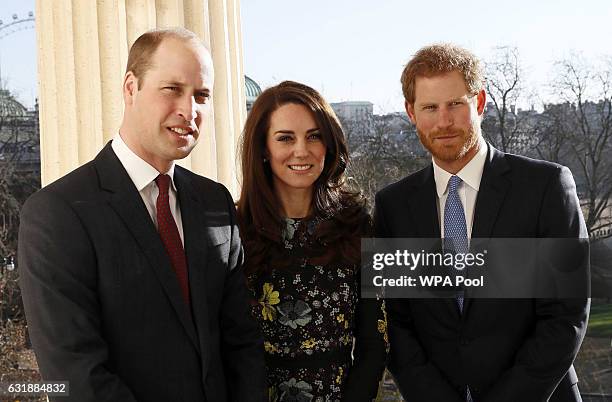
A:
[187,108]
[445,117]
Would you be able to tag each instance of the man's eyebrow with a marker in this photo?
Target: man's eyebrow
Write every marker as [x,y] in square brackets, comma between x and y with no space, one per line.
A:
[175,83]
[433,103]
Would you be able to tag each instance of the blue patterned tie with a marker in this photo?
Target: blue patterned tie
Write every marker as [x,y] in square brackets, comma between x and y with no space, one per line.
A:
[455,233]
[455,228]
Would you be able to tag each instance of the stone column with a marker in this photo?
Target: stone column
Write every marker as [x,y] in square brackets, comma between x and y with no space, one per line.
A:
[82,54]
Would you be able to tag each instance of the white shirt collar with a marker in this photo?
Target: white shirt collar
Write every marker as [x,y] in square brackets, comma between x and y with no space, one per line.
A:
[141,173]
[470,174]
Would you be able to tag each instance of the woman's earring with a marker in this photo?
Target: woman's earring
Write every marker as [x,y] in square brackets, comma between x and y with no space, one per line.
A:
[265,160]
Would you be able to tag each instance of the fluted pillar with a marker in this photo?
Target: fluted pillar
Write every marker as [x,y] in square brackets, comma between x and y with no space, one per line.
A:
[82,54]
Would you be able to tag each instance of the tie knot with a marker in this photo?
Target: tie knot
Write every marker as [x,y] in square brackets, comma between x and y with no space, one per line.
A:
[453,183]
[163,183]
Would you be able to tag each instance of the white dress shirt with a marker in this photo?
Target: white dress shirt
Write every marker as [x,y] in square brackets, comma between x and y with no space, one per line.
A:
[143,176]
[468,188]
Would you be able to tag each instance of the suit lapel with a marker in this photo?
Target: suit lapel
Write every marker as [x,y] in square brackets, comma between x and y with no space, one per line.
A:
[424,209]
[491,194]
[127,203]
[424,206]
[192,212]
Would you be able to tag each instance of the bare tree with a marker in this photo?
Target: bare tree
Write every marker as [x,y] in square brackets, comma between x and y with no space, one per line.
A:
[552,134]
[387,152]
[504,79]
[18,137]
[588,127]
[15,184]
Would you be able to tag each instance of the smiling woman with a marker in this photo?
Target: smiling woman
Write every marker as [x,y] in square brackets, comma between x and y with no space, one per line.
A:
[301,227]
[296,153]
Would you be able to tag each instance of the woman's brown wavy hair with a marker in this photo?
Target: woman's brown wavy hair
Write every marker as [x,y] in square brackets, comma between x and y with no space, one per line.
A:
[341,210]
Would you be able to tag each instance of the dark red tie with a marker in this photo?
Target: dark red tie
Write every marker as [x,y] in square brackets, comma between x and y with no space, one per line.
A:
[166,226]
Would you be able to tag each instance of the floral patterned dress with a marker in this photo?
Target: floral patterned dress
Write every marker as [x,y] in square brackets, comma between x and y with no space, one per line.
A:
[307,315]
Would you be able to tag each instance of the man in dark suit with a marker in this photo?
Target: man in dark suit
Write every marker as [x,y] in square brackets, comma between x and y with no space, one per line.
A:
[477,349]
[131,266]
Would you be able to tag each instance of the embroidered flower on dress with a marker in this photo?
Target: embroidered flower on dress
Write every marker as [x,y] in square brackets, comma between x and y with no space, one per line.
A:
[295,391]
[339,376]
[290,226]
[268,299]
[269,348]
[346,338]
[309,343]
[382,326]
[294,314]
[272,394]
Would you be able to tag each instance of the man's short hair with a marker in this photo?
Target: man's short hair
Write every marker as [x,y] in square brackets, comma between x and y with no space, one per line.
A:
[141,52]
[439,59]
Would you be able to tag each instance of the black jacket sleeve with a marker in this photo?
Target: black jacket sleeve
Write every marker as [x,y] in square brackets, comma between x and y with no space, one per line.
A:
[370,345]
[546,356]
[58,278]
[369,352]
[242,341]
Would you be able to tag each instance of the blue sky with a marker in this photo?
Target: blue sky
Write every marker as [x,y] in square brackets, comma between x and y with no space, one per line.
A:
[355,49]
[18,52]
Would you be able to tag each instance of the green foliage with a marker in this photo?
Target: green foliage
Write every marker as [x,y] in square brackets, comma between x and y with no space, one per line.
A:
[600,320]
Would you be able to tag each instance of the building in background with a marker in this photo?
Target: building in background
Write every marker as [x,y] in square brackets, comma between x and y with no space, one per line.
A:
[252,91]
[19,135]
[354,110]
[357,117]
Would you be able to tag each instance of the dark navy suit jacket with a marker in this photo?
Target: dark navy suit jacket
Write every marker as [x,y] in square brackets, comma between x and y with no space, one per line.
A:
[505,350]
[104,307]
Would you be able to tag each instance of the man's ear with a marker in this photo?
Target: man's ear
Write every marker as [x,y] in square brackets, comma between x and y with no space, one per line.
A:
[481,100]
[410,110]
[130,87]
